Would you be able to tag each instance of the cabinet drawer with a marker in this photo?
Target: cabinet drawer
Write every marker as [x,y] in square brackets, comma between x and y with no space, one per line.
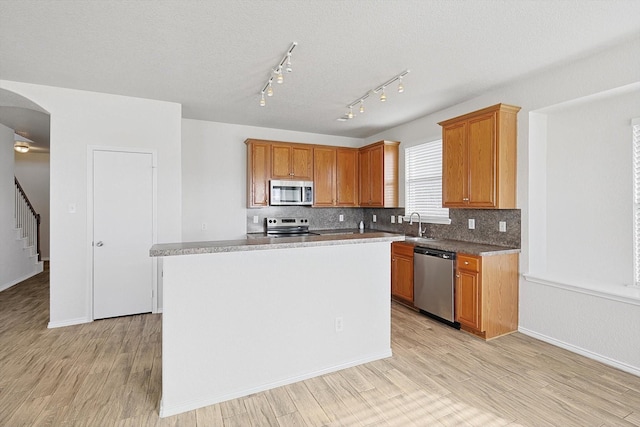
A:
[466,262]
[403,249]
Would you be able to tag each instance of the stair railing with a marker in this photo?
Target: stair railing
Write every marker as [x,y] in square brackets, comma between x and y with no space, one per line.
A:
[27,219]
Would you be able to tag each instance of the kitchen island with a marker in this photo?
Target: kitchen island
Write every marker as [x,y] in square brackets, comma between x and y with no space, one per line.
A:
[245,316]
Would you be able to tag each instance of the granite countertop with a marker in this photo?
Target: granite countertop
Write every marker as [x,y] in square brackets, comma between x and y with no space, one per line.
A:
[458,246]
[259,242]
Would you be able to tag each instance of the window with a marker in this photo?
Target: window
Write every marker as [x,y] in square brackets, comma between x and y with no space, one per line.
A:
[423,182]
[636,200]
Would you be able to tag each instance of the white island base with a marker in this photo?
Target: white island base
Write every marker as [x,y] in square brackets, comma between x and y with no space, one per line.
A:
[236,323]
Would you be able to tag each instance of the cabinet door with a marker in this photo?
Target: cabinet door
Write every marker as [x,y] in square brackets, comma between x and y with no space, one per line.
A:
[324,176]
[481,141]
[404,278]
[376,161]
[454,166]
[365,178]
[467,298]
[302,163]
[281,161]
[346,177]
[258,171]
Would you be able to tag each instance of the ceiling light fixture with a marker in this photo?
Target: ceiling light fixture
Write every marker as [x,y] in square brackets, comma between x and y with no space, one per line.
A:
[268,88]
[350,113]
[383,95]
[21,146]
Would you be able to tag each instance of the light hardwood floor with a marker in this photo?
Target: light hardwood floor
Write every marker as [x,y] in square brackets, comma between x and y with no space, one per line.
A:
[107,373]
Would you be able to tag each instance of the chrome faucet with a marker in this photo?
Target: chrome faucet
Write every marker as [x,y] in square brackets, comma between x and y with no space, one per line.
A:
[420,230]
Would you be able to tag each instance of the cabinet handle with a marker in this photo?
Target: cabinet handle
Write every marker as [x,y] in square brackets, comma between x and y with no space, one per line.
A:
[465,199]
[466,263]
[457,276]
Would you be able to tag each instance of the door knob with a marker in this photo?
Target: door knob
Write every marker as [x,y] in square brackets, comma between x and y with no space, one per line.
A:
[99,244]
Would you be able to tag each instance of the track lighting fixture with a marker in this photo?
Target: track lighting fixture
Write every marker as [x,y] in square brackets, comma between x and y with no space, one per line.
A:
[289,69]
[383,97]
[350,113]
[279,76]
[380,89]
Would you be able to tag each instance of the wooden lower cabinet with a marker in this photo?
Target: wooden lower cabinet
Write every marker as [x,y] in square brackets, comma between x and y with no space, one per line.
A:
[402,272]
[487,294]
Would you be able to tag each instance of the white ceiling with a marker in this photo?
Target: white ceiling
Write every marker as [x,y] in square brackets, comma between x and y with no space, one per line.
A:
[214,56]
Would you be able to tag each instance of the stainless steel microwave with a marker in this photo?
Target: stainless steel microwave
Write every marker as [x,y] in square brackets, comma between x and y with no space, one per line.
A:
[283,193]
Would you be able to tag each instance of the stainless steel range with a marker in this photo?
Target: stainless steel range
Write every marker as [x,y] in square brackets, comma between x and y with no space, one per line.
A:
[288,227]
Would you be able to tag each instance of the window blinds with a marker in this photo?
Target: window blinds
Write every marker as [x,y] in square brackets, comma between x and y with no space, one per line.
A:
[636,201]
[423,182]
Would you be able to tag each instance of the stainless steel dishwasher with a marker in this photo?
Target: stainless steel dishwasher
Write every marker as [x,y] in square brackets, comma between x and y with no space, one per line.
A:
[433,283]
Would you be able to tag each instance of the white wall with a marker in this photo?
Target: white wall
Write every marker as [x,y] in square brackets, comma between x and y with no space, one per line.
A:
[214,159]
[15,264]
[589,191]
[80,119]
[233,325]
[597,326]
[32,171]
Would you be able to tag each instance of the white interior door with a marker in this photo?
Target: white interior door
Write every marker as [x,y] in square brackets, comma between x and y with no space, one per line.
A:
[122,233]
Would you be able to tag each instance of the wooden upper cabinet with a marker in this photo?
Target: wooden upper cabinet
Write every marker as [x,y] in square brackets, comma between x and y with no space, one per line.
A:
[335,176]
[346,177]
[378,165]
[258,170]
[479,159]
[291,161]
[324,176]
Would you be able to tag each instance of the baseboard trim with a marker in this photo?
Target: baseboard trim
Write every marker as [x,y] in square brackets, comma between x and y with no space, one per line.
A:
[21,279]
[211,400]
[583,352]
[69,322]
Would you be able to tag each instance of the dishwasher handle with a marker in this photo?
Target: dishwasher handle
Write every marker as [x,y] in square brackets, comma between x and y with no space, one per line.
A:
[434,252]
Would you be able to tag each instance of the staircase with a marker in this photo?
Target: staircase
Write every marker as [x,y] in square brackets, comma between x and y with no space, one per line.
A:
[27,225]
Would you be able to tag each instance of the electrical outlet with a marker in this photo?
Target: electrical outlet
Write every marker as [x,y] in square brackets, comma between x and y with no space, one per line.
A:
[255,219]
[399,219]
[393,219]
[502,226]
[339,324]
[72,208]
[341,218]
[375,218]
[204,225]
[472,224]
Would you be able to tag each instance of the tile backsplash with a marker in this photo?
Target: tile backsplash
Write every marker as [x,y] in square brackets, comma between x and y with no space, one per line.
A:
[486,222]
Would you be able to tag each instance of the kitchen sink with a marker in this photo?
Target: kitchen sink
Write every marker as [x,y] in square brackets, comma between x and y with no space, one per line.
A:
[415,239]
[337,233]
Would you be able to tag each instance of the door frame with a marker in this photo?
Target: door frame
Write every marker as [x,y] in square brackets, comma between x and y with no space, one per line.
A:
[91,149]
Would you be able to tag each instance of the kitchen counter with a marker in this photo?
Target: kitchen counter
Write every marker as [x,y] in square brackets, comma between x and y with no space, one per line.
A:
[242,316]
[258,241]
[458,246]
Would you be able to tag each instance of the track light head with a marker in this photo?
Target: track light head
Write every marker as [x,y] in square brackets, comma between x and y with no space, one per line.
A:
[383,96]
